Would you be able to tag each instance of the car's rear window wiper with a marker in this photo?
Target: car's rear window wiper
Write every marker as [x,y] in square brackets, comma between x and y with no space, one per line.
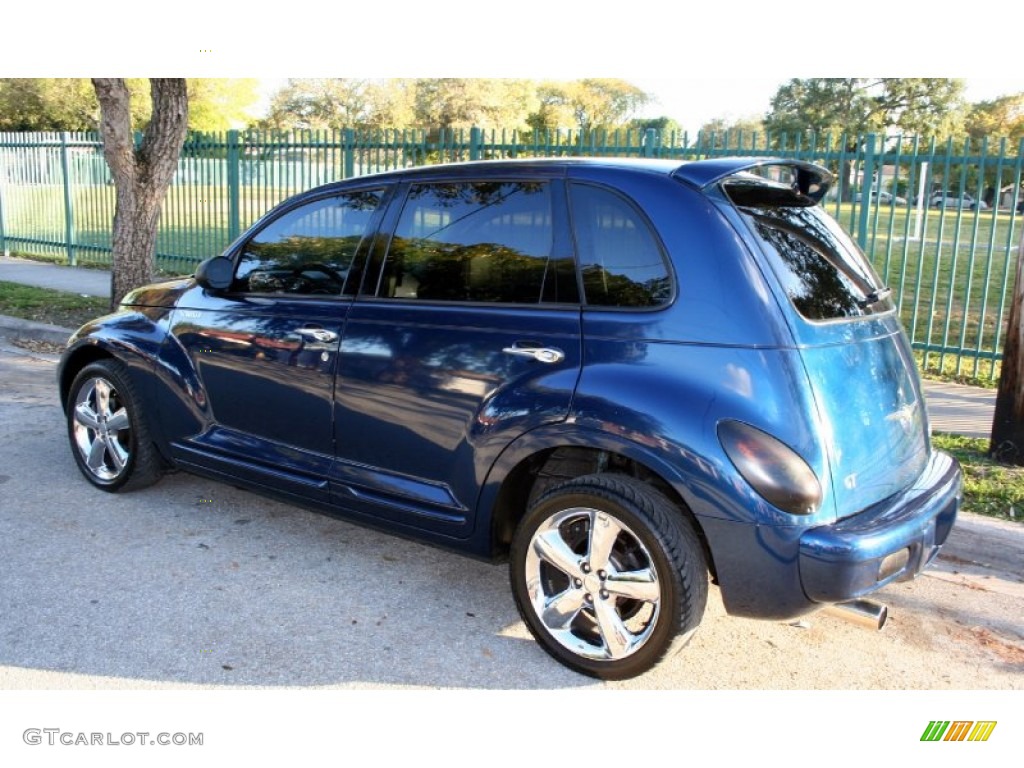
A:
[874,297]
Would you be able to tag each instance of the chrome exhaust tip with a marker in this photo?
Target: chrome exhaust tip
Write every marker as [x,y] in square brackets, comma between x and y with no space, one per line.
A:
[864,613]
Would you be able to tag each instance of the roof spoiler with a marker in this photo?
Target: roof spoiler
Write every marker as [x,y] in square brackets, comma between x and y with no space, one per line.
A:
[809,180]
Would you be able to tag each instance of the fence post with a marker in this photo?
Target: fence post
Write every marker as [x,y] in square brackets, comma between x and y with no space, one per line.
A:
[348,151]
[234,181]
[3,232]
[867,184]
[69,212]
[475,143]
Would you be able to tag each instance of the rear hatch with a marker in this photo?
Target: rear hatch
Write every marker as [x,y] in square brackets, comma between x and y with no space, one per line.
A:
[843,319]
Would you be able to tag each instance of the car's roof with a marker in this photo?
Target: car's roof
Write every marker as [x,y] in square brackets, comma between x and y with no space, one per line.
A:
[699,174]
[546,164]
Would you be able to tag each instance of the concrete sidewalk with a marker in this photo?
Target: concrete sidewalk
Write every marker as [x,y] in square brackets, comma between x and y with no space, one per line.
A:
[88,282]
[951,407]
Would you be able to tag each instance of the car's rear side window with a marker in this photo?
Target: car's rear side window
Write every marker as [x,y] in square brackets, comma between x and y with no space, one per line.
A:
[308,250]
[620,259]
[479,241]
[824,273]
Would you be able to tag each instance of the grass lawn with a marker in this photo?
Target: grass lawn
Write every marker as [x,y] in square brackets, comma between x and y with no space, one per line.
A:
[990,488]
[69,310]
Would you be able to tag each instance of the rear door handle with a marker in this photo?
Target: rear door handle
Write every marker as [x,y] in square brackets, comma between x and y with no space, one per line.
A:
[540,354]
[317,334]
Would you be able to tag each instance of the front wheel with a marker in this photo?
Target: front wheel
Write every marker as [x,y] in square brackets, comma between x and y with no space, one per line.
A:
[608,575]
[107,429]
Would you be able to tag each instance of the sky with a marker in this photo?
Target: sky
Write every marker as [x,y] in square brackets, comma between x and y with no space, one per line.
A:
[700,60]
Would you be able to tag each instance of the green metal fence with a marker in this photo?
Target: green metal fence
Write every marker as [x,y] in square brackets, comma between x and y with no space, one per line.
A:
[949,263]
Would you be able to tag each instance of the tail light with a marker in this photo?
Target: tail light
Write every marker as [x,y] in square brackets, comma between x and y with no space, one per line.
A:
[773,469]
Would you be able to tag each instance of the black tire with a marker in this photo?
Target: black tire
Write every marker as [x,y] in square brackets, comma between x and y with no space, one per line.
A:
[601,624]
[107,429]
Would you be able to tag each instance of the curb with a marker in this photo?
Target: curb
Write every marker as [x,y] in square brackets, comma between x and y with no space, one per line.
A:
[17,328]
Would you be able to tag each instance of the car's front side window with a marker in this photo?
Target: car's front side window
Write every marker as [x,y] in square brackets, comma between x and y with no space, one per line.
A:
[480,241]
[308,250]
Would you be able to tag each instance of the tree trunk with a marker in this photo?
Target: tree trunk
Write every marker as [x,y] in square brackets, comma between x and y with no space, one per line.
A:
[1007,441]
[141,175]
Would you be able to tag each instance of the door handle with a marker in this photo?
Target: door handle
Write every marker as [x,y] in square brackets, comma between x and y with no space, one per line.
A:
[540,354]
[317,334]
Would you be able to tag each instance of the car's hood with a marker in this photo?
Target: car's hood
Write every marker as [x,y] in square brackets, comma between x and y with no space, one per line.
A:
[163,294]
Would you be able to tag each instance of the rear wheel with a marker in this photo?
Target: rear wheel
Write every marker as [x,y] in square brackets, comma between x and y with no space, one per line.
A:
[107,429]
[608,575]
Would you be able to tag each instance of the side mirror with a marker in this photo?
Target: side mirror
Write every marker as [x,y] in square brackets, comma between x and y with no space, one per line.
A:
[215,274]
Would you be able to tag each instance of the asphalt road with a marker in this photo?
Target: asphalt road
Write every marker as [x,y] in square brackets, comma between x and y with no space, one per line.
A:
[192,583]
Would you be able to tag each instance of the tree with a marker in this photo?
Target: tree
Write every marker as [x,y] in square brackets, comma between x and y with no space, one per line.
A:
[319,103]
[69,104]
[733,133]
[54,104]
[141,174]
[854,106]
[467,102]
[999,118]
[591,103]
[1007,440]
[221,104]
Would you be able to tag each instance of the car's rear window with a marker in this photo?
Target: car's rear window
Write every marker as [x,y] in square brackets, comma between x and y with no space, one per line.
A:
[822,270]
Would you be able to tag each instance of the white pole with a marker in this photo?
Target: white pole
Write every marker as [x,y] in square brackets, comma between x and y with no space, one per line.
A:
[921,202]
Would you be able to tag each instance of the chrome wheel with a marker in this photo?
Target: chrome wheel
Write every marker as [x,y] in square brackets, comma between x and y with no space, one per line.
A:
[593,583]
[109,435]
[608,574]
[101,429]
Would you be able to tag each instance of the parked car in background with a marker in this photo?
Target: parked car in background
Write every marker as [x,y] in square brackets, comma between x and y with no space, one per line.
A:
[883,197]
[955,200]
[623,377]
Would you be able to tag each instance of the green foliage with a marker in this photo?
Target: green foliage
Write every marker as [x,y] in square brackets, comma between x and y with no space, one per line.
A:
[999,118]
[454,103]
[221,104]
[587,104]
[990,488]
[733,134]
[68,310]
[69,104]
[855,106]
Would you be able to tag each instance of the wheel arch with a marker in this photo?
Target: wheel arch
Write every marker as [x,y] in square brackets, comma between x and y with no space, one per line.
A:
[544,459]
[74,360]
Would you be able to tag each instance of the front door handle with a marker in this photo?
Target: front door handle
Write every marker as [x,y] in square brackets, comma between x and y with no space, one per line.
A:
[317,334]
[540,354]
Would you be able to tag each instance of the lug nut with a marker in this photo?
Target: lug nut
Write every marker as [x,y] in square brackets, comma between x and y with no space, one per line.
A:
[602,575]
[588,597]
[577,583]
[604,594]
[585,567]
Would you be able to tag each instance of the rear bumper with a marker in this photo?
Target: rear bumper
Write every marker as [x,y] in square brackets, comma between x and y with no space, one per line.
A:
[892,541]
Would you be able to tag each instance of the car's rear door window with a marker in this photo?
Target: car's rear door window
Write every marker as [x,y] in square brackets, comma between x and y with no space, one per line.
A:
[477,241]
[308,250]
[620,259]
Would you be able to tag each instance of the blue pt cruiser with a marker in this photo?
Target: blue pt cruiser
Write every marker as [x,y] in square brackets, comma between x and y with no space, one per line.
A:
[626,378]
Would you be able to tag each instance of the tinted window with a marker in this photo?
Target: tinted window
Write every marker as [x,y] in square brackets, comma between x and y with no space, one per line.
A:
[620,259]
[821,269]
[477,241]
[308,250]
